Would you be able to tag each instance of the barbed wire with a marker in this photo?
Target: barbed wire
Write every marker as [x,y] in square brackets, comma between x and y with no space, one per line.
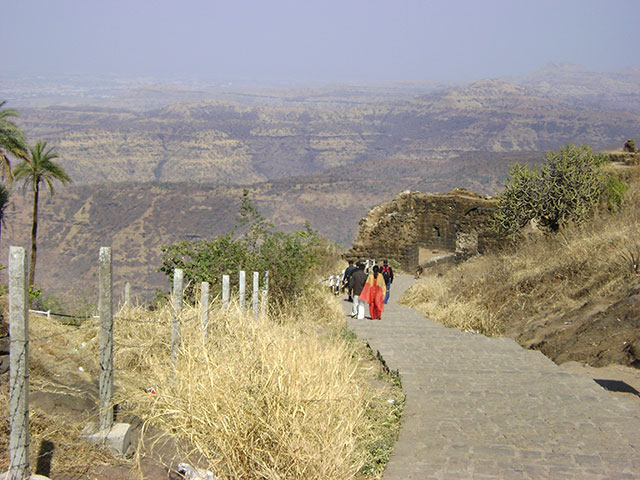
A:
[151,345]
[18,386]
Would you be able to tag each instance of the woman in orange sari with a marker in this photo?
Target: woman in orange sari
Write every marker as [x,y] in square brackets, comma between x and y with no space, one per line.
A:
[373,293]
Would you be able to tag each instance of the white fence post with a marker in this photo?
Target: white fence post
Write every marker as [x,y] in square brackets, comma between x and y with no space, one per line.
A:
[127,294]
[176,298]
[265,292]
[255,295]
[18,365]
[225,291]
[204,305]
[105,339]
[242,288]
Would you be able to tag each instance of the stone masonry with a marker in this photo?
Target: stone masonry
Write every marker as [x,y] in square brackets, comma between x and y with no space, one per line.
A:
[457,221]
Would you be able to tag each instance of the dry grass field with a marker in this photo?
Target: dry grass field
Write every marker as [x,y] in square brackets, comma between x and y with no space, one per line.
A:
[291,396]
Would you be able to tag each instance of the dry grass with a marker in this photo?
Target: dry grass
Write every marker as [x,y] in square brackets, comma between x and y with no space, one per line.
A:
[54,441]
[259,400]
[57,352]
[542,275]
[288,397]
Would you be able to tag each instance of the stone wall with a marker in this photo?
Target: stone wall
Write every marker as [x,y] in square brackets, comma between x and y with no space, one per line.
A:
[457,221]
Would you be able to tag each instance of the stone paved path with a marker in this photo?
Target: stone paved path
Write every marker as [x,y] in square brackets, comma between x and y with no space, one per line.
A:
[485,408]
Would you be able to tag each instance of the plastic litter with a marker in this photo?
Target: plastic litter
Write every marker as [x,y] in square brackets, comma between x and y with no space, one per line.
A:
[193,473]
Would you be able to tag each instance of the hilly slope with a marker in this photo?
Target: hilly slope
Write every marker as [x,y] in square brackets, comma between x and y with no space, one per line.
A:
[136,219]
[219,142]
[581,87]
[143,179]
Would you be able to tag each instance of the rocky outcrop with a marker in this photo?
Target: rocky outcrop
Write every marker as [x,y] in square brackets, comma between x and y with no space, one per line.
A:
[457,221]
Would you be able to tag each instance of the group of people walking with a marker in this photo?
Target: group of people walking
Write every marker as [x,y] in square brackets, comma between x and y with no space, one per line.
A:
[364,287]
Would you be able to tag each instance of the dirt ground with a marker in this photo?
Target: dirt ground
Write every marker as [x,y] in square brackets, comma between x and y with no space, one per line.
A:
[601,339]
[599,333]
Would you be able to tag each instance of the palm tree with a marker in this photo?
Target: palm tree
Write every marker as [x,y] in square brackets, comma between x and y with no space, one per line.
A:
[4,203]
[11,140]
[33,170]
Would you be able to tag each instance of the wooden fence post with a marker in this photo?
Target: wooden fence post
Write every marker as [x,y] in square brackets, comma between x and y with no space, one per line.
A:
[242,288]
[19,366]
[225,291]
[176,298]
[255,295]
[105,339]
[204,305]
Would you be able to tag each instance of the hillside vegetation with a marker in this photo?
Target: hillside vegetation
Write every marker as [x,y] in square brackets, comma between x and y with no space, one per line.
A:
[573,294]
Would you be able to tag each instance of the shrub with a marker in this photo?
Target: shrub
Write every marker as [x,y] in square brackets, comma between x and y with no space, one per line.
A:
[615,191]
[567,188]
[204,261]
[289,257]
[518,203]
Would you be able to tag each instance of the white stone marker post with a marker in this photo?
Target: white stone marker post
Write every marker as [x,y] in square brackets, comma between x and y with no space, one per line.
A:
[176,298]
[19,366]
[127,294]
[105,340]
[242,288]
[255,295]
[204,305]
[265,292]
[225,291]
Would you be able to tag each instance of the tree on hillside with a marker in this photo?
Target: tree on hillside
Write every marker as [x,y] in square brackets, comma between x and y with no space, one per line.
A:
[12,143]
[38,167]
[4,203]
[567,188]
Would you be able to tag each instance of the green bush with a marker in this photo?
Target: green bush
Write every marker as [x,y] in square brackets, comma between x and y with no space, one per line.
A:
[567,188]
[289,257]
[615,191]
[517,204]
[204,261]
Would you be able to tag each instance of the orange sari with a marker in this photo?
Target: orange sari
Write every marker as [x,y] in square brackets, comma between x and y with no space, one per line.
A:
[373,293]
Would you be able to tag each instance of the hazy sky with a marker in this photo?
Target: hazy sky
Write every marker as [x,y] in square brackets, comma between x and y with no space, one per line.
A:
[321,40]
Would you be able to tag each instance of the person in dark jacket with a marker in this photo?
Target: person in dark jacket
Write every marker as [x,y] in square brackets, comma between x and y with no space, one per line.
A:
[356,283]
[345,279]
[387,273]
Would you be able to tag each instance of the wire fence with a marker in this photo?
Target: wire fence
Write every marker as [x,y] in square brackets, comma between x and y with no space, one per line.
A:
[19,441]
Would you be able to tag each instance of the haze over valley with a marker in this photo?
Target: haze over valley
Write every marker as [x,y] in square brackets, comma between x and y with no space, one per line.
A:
[162,113]
[147,177]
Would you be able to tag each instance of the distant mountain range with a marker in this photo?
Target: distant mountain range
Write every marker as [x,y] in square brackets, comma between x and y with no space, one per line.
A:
[146,178]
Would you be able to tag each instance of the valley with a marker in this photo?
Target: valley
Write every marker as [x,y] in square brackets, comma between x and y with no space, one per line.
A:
[162,171]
